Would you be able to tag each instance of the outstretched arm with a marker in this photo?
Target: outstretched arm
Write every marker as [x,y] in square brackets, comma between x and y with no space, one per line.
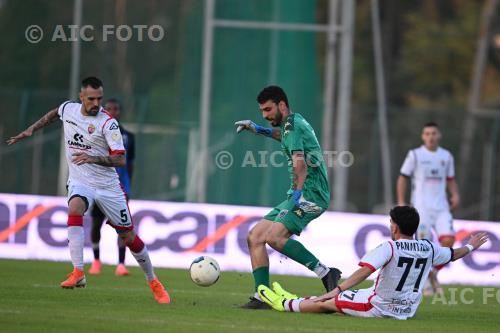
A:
[356,278]
[117,160]
[475,242]
[274,133]
[47,119]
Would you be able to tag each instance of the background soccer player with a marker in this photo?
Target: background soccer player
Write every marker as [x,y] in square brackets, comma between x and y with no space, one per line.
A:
[307,198]
[404,265]
[431,169]
[94,148]
[113,107]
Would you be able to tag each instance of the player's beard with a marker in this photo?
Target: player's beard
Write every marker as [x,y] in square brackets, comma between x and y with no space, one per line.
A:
[277,119]
[93,112]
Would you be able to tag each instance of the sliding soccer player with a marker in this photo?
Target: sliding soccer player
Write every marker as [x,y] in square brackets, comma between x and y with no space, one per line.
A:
[404,265]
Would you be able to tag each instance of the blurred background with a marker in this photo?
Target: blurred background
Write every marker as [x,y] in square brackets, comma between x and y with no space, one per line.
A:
[366,74]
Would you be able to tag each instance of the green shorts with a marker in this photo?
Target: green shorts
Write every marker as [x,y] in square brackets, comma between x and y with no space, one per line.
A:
[292,217]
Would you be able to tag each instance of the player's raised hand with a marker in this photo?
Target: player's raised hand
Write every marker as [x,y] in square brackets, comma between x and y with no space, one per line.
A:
[253,127]
[245,125]
[24,134]
[478,240]
[80,158]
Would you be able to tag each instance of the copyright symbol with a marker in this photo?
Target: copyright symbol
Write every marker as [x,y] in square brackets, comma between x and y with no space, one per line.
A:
[33,34]
[224,160]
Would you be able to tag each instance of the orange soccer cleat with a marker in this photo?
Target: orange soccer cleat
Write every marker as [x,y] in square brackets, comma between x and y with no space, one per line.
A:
[75,279]
[121,270]
[161,295]
[95,268]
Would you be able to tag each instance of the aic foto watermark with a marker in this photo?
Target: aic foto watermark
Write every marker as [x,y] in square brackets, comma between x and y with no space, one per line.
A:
[264,159]
[467,296]
[89,33]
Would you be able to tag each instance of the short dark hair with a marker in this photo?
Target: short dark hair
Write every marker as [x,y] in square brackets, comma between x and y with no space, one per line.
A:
[273,93]
[114,101]
[91,81]
[407,219]
[431,124]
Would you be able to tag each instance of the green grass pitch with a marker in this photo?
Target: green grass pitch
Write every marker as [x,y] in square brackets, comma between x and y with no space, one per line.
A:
[31,301]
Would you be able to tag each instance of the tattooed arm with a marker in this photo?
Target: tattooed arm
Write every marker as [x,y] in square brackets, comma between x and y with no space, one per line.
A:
[47,119]
[117,160]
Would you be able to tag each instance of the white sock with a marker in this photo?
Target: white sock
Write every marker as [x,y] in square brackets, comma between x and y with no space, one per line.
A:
[145,263]
[321,270]
[75,242]
[293,305]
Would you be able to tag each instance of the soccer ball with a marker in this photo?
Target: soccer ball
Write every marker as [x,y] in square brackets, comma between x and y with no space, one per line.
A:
[204,271]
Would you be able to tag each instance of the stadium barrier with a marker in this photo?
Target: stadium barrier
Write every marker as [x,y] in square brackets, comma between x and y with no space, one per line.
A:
[34,227]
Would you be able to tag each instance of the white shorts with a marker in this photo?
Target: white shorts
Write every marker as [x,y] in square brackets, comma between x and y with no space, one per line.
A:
[357,303]
[111,201]
[440,221]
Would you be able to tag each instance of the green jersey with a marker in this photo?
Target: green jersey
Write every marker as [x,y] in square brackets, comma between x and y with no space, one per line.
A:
[298,135]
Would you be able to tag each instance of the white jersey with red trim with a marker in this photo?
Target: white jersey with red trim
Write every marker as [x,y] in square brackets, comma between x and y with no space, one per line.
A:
[429,172]
[95,135]
[404,267]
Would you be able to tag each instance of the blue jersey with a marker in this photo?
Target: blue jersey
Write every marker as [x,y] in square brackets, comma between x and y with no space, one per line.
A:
[125,172]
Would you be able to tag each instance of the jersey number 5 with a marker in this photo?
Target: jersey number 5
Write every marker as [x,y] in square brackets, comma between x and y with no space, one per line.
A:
[420,264]
[123,215]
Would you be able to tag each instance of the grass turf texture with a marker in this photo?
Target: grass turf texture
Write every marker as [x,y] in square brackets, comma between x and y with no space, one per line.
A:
[32,301]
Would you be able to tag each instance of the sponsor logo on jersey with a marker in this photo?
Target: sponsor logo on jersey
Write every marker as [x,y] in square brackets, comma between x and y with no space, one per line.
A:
[78,137]
[299,212]
[114,126]
[77,142]
[70,122]
[91,128]
[282,213]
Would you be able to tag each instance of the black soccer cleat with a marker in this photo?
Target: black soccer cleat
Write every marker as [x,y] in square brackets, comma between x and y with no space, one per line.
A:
[331,280]
[255,304]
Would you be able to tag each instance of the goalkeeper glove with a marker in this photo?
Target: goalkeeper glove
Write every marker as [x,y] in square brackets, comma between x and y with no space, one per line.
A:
[253,127]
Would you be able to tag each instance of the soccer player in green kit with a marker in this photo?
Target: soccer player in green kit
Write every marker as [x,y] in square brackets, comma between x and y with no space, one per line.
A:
[307,198]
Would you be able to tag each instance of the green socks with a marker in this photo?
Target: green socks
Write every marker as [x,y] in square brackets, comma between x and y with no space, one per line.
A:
[296,251]
[261,276]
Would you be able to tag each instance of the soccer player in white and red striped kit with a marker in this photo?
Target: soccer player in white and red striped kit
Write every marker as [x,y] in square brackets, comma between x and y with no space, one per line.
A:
[404,264]
[94,147]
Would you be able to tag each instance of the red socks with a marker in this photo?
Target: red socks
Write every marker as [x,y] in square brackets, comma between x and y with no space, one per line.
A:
[136,245]
[75,220]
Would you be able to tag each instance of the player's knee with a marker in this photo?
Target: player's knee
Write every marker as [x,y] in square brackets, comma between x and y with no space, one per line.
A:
[77,206]
[255,238]
[127,236]
[276,242]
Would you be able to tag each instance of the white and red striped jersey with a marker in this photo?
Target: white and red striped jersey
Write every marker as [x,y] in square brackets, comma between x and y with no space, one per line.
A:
[95,135]
[404,267]
[429,172]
